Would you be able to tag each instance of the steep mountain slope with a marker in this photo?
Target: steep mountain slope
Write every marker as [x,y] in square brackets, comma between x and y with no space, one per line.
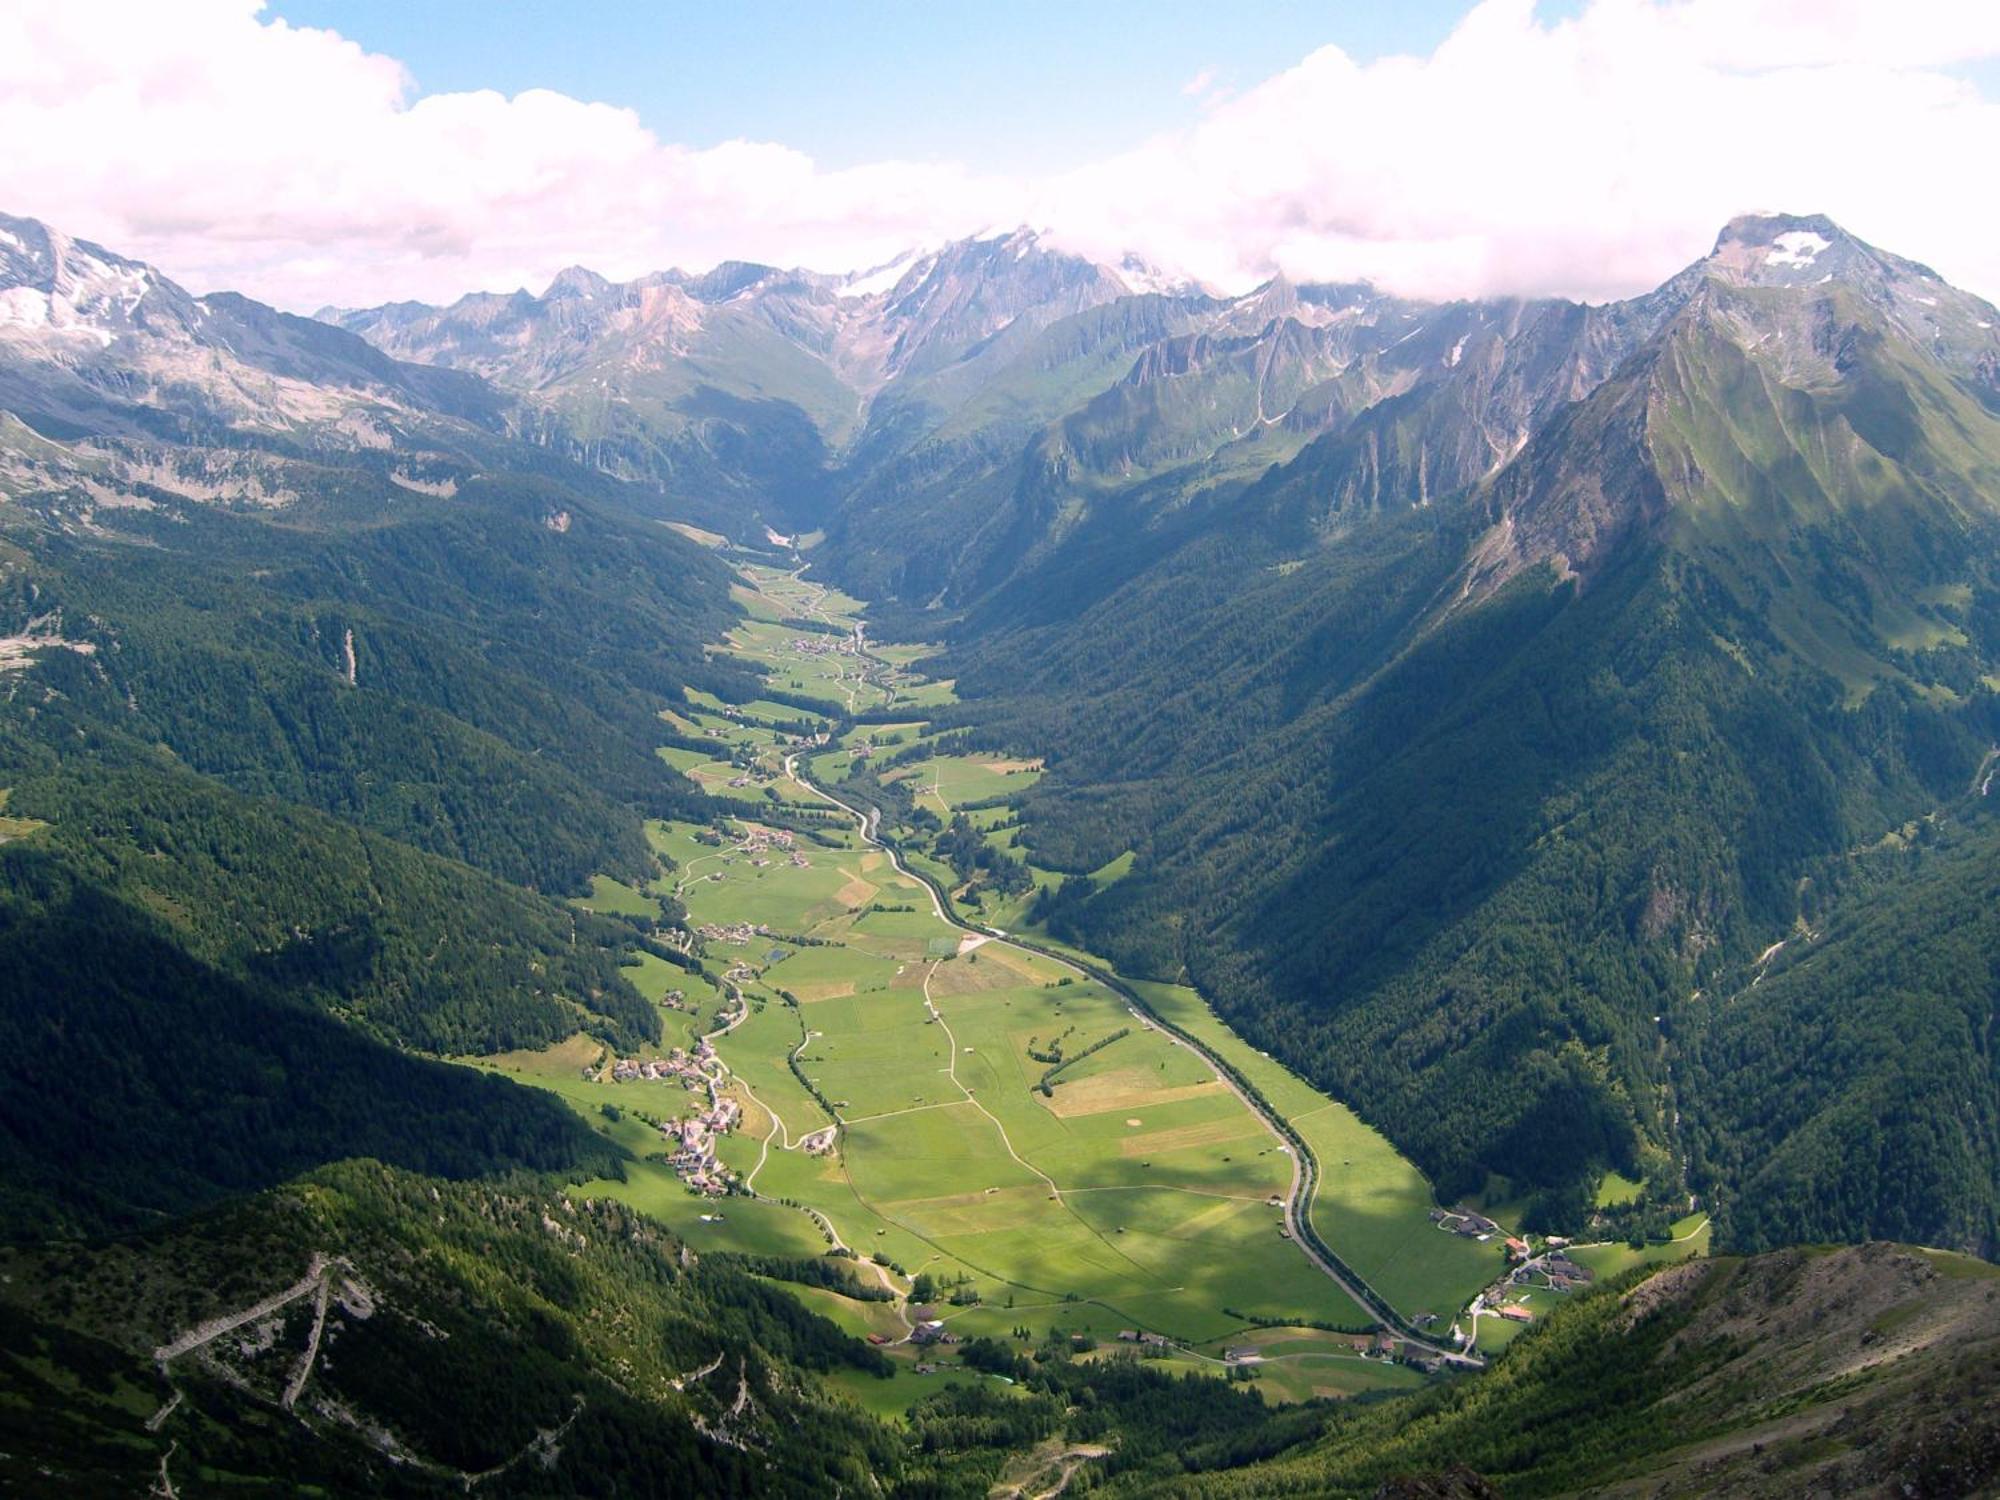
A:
[142,1083]
[1451,806]
[719,387]
[393,669]
[93,342]
[739,389]
[1852,1074]
[445,1336]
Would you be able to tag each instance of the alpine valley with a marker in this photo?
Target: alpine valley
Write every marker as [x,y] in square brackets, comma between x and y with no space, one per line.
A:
[1002,875]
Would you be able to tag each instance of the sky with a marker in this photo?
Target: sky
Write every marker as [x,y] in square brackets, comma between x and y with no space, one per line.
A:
[356,151]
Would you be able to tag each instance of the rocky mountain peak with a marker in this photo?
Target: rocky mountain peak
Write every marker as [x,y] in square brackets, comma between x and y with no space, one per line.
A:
[578,281]
[52,286]
[1787,249]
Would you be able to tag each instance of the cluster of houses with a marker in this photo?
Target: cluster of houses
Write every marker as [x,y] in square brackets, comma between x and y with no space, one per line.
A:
[758,842]
[738,933]
[1134,1336]
[1550,1267]
[929,1328]
[691,1070]
[694,1138]
[1555,1270]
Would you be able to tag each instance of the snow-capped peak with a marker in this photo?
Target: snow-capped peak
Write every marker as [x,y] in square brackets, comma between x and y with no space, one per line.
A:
[52,286]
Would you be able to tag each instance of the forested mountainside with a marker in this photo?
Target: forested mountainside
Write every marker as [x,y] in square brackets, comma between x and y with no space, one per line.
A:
[1800,1372]
[1460,807]
[1847,1076]
[303,752]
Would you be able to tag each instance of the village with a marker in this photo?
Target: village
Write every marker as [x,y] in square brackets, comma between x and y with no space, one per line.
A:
[693,1138]
[1549,1267]
[829,645]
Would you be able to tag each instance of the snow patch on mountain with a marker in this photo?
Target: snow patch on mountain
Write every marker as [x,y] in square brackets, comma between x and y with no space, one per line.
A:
[881,279]
[1799,247]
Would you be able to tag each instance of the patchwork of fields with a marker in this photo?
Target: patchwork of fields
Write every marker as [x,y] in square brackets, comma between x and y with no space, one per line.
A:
[1020,1136]
[1138,1183]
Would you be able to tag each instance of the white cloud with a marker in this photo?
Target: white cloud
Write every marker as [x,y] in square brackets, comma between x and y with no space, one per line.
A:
[291,164]
[1590,156]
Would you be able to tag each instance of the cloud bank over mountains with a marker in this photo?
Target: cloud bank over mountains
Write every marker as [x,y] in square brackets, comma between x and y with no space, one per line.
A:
[1589,155]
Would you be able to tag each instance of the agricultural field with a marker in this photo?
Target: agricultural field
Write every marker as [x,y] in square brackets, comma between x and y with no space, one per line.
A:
[1372,1205]
[1690,1238]
[946,782]
[1010,1130]
[1137,1183]
[1613,1189]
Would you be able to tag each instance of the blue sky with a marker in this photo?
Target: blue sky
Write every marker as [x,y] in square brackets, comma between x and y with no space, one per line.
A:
[1027,86]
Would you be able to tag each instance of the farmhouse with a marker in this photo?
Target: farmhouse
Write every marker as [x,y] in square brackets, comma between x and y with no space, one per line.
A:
[1566,1274]
[1513,1312]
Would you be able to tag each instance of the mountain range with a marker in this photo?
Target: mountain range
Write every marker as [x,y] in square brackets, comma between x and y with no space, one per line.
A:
[1562,732]
[1380,632]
